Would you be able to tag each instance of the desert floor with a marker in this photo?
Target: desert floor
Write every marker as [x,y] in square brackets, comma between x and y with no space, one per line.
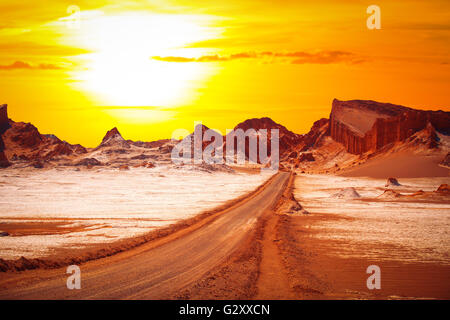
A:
[252,248]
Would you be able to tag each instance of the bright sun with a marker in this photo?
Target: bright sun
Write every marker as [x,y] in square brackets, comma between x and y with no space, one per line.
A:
[120,71]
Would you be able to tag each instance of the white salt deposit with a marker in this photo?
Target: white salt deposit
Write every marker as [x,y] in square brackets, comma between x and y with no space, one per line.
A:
[405,231]
[112,204]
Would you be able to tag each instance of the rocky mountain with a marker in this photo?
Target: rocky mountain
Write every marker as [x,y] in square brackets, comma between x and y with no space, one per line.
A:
[287,139]
[22,141]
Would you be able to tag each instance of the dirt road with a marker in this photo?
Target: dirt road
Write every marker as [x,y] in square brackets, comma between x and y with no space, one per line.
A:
[157,269]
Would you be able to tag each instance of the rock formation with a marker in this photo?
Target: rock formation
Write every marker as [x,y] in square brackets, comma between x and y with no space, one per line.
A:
[4,125]
[392,182]
[363,126]
[347,193]
[22,141]
[444,189]
[88,162]
[446,161]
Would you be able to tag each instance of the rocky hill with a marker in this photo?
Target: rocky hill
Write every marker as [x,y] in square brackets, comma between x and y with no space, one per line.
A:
[22,141]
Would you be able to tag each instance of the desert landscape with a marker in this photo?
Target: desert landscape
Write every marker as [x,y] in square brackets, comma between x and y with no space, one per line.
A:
[348,195]
[238,157]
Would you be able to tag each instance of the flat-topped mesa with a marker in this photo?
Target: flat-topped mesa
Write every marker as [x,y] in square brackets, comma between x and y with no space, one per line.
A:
[363,126]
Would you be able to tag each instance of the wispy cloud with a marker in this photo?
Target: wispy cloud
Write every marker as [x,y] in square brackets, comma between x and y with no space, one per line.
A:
[25,65]
[295,57]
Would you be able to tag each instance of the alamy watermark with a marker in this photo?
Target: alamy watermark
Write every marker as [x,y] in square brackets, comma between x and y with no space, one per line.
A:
[374,20]
[374,280]
[74,280]
[238,146]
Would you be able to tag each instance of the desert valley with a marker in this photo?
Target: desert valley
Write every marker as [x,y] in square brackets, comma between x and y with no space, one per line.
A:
[368,186]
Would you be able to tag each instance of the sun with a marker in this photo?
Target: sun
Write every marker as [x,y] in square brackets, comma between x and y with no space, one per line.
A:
[119,70]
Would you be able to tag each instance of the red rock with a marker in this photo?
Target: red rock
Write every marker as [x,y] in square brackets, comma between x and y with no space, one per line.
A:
[306,156]
[444,188]
[3,160]
[88,162]
[4,121]
[392,182]
[446,161]
[363,126]
[150,165]
[124,167]
[25,141]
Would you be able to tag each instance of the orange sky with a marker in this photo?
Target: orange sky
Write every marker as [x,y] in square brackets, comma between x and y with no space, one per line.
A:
[150,67]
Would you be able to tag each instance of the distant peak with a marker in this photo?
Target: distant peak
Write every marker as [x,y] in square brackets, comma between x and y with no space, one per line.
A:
[111,134]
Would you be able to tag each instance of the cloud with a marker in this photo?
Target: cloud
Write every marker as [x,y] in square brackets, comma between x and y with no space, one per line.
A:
[25,65]
[295,57]
[38,49]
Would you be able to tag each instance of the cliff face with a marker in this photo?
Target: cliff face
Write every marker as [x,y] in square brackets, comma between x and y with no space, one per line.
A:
[4,125]
[363,126]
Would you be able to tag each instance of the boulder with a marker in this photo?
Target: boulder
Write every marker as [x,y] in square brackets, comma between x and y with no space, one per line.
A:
[446,161]
[443,188]
[124,167]
[306,156]
[347,193]
[390,194]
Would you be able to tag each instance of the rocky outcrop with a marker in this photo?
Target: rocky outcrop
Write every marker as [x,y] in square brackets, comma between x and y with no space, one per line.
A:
[313,138]
[306,156]
[3,160]
[22,141]
[4,121]
[88,162]
[347,193]
[4,125]
[444,189]
[363,126]
[446,161]
[392,182]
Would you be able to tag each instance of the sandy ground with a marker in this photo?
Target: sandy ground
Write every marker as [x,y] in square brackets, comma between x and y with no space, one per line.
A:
[316,272]
[320,255]
[328,251]
[401,166]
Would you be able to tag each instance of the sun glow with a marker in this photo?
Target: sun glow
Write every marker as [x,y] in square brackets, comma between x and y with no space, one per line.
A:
[120,72]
